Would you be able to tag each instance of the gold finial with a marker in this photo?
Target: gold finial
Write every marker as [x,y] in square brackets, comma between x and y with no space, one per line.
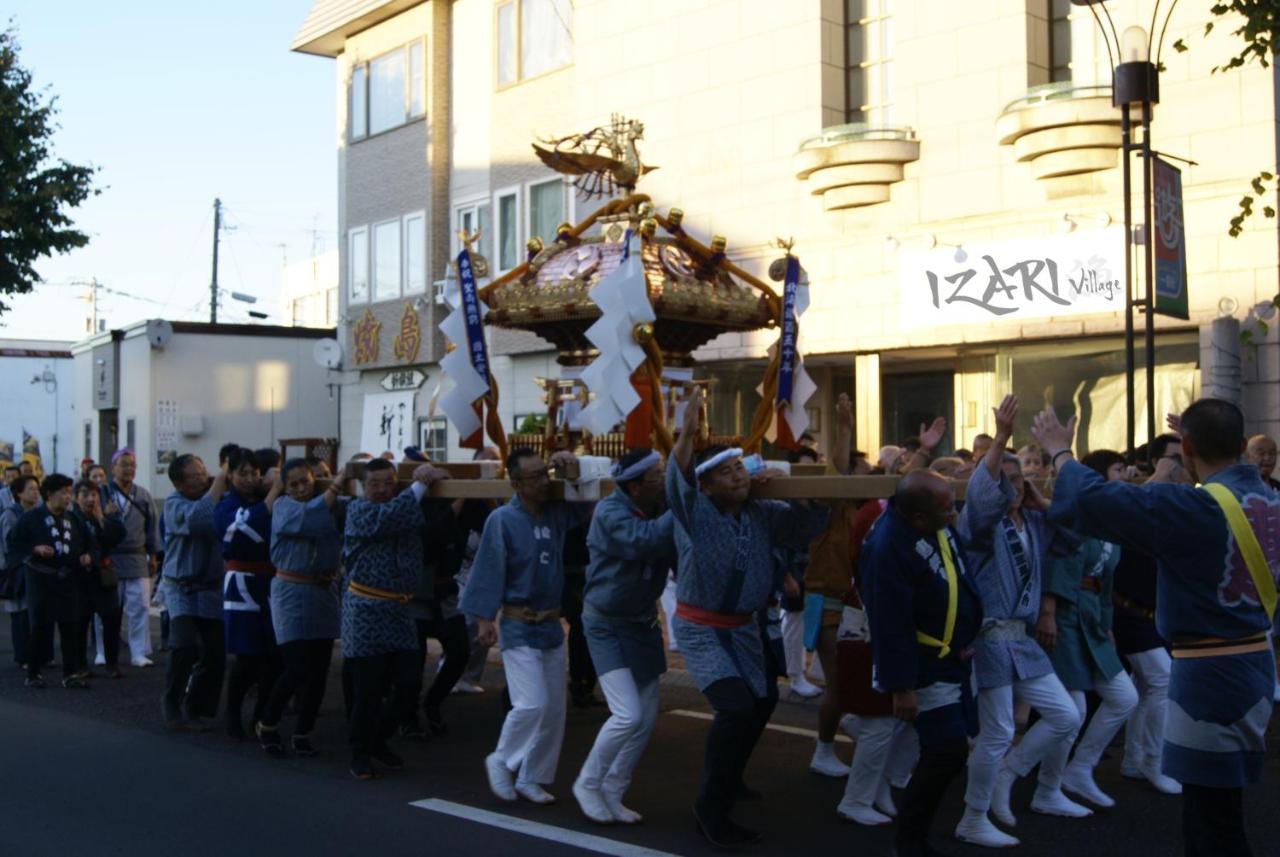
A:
[469,238]
[675,217]
[564,228]
[642,333]
[645,210]
[648,227]
[534,245]
[718,243]
[785,246]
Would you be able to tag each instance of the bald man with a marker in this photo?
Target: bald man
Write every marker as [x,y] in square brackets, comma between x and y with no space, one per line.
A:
[1261,452]
[912,572]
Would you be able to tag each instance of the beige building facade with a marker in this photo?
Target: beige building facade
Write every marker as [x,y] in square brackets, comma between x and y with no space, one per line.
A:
[949,172]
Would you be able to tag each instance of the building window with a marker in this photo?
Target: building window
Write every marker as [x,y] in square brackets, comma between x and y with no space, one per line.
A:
[472,216]
[433,438]
[386,260]
[869,61]
[508,229]
[358,265]
[359,103]
[1059,40]
[415,253]
[131,434]
[88,440]
[529,424]
[533,37]
[389,90]
[546,209]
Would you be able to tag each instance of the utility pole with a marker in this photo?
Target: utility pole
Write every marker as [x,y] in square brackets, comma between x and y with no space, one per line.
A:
[213,285]
[93,306]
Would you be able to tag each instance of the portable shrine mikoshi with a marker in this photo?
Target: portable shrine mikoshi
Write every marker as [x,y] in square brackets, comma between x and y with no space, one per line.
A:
[625,296]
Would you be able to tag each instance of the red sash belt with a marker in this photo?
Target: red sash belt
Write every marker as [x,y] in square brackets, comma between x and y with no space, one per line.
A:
[709,618]
[250,566]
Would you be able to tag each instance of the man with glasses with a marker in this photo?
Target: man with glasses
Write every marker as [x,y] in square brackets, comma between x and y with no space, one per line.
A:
[518,575]
[725,543]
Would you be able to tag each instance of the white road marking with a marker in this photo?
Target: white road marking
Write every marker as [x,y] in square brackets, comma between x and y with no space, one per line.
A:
[585,841]
[777,727]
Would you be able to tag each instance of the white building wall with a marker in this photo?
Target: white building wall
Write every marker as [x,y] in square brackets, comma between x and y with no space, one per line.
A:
[45,409]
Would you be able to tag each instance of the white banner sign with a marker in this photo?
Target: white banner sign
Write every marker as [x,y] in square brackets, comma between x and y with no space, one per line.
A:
[1023,278]
[387,423]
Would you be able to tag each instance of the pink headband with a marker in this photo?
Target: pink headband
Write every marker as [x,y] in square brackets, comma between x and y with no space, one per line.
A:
[121,453]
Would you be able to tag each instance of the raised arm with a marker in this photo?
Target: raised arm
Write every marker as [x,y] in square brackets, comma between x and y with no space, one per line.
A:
[682,453]
[929,439]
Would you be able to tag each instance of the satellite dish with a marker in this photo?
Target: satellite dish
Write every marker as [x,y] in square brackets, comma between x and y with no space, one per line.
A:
[159,332]
[328,353]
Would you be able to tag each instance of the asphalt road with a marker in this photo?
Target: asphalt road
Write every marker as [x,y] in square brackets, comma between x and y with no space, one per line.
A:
[94,773]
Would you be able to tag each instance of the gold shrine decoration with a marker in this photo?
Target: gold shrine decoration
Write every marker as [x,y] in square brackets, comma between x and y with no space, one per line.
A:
[365,334]
[409,340]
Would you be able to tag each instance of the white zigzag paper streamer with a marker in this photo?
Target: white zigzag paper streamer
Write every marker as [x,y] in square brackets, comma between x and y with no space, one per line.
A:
[623,298]
[456,365]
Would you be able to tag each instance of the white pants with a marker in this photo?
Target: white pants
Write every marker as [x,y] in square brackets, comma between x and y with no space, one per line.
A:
[793,642]
[668,601]
[885,746]
[995,732]
[534,728]
[1144,735]
[1118,700]
[633,714]
[135,629]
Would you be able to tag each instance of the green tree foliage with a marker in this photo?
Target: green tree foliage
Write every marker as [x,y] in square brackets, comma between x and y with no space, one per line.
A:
[36,189]
[1260,35]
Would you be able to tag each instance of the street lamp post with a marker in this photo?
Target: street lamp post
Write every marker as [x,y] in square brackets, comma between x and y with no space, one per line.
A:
[1135,81]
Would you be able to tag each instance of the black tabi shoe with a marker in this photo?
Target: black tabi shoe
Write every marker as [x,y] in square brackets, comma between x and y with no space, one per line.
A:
[413,731]
[361,767]
[36,682]
[746,834]
[387,759]
[745,792]
[195,723]
[726,839]
[269,738]
[74,682]
[302,746]
[435,721]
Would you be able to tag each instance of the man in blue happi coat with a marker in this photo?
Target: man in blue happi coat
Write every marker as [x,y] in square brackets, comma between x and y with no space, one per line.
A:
[1217,551]
[724,541]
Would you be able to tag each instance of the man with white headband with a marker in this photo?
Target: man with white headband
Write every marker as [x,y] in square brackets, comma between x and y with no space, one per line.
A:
[631,546]
[725,544]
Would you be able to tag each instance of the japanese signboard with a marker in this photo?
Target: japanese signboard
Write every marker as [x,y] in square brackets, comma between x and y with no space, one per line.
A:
[387,422]
[1170,249]
[1015,280]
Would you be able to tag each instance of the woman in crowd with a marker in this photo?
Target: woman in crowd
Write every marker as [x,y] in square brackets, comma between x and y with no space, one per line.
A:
[100,530]
[305,549]
[26,496]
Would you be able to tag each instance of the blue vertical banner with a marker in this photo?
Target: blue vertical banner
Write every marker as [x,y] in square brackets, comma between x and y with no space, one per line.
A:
[471,310]
[787,347]
[1170,242]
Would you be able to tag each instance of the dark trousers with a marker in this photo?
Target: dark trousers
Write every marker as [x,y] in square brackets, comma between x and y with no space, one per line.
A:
[20,636]
[1213,822]
[193,680]
[740,718]
[306,671]
[939,764]
[582,672]
[106,606]
[246,671]
[53,602]
[374,716]
[66,639]
[456,649]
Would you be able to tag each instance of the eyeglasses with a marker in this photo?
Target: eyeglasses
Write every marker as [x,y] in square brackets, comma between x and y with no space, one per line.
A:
[535,476]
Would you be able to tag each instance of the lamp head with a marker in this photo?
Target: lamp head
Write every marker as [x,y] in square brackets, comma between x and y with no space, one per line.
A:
[1134,45]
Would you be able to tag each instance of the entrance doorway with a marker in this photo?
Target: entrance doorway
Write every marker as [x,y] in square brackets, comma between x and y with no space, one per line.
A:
[911,398]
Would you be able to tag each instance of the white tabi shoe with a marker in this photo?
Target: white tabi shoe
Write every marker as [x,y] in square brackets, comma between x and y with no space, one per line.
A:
[826,762]
[1165,785]
[142,662]
[1000,789]
[620,813]
[884,800]
[500,778]
[464,686]
[99,661]
[976,829]
[1054,802]
[592,803]
[535,793]
[1078,779]
[860,813]
[801,687]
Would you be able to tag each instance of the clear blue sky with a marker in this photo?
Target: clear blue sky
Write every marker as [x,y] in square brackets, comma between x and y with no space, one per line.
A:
[179,103]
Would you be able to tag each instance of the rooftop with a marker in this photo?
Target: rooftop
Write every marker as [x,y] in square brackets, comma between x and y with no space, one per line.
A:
[327,26]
